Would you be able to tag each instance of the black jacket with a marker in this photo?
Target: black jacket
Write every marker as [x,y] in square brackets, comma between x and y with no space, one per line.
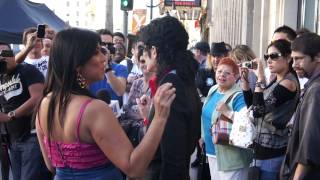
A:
[180,135]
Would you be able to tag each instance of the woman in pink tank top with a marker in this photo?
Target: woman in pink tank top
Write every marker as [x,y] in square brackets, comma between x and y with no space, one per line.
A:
[79,135]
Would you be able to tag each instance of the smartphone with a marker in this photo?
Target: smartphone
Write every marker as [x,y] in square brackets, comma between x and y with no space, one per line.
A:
[41,30]
[6,53]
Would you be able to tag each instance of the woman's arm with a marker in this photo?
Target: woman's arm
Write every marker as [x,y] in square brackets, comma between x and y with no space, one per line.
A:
[40,136]
[278,96]
[113,141]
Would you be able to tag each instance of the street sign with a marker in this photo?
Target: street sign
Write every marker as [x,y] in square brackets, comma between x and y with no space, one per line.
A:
[189,3]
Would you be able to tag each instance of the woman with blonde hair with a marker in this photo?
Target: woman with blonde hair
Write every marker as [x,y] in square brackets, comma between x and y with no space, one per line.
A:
[243,56]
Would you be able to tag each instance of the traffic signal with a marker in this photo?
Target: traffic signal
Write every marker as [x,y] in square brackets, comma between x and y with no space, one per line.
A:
[126,5]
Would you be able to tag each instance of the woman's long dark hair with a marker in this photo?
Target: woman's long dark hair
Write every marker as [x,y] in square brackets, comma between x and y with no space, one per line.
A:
[71,48]
[284,47]
[170,38]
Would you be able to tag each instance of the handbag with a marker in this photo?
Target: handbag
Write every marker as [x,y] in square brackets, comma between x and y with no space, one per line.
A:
[243,131]
[254,173]
[222,127]
[203,169]
[222,130]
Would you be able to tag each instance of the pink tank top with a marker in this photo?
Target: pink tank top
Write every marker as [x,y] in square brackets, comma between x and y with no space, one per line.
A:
[75,155]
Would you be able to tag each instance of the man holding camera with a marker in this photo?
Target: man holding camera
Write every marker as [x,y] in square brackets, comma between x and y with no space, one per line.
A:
[32,52]
[115,74]
[21,87]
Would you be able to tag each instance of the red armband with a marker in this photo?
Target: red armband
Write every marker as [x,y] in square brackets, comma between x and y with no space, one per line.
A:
[146,122]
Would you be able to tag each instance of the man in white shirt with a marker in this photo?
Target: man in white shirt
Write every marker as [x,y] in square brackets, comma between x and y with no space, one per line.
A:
[31,54]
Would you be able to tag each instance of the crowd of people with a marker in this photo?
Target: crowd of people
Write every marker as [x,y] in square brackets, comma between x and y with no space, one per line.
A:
[57,120]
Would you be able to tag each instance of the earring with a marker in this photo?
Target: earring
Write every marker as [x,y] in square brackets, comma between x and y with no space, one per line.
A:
[81,80]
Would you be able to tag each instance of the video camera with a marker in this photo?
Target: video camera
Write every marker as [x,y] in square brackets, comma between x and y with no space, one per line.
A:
[110,47]
[3,63]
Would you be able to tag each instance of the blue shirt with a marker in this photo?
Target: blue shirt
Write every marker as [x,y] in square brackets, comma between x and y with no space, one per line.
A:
[208,109]
[119,71]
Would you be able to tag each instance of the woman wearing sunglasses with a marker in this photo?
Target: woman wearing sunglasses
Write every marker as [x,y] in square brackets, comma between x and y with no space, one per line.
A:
[273,105]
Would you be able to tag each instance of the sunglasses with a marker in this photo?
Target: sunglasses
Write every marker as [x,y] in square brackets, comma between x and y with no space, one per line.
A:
[272,56]
[106,44]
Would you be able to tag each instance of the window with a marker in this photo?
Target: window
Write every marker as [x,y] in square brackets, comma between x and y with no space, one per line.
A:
[309,11]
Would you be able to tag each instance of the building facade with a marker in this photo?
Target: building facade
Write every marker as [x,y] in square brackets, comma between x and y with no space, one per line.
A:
[252,22]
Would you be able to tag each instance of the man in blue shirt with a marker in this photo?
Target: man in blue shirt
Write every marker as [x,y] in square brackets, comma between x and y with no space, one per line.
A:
[115,75]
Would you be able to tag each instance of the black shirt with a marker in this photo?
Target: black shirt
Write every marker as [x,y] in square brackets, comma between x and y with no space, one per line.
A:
[13,93]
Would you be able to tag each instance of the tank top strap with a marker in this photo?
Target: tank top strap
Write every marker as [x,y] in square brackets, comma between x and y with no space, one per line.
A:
[79,117]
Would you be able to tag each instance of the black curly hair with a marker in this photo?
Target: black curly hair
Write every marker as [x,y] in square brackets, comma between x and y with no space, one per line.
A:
[170,38]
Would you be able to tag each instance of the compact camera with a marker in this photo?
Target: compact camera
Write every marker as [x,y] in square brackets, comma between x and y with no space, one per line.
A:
[249,65]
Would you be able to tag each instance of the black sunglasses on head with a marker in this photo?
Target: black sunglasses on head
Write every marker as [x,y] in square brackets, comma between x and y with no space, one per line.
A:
[272,56]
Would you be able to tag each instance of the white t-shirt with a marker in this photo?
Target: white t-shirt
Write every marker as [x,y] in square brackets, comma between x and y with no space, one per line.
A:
[135,68]
[41,64]
[303,81]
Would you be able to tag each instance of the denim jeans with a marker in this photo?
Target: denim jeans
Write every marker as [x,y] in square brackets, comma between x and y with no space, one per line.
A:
[270,168]
[98,173]
[26,160]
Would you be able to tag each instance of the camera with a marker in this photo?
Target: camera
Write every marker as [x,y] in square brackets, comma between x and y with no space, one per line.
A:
[249,65]
[3,62]
[6,53]
[3,66]
[111,48]
[41,30]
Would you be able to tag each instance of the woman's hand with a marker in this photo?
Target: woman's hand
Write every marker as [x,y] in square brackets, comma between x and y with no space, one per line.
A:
[260,70]
[162,100]
[244,71]
[225,110]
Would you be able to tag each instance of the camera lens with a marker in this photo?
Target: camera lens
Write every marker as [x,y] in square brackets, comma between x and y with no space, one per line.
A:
[3,66]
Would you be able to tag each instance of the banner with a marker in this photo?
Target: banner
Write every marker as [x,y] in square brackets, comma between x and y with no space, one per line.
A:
[138,19]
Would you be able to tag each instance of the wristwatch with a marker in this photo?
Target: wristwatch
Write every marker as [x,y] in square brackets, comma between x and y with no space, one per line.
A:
[11,115]
[261,85]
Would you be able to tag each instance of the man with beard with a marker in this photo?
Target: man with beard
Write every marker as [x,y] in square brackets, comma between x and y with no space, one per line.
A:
[302,159]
